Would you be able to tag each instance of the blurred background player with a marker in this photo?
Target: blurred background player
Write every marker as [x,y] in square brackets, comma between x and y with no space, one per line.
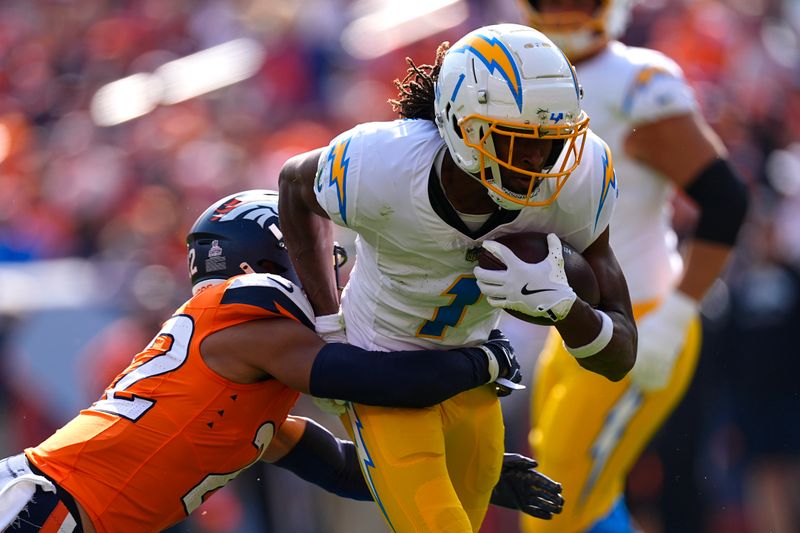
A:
[496,144]
[211,394]
[587,431]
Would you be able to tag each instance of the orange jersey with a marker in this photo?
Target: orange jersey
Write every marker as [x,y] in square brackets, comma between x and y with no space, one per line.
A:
[169,431]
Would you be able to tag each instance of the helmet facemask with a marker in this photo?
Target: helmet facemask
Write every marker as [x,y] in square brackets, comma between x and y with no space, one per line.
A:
[577,32]
[480,133]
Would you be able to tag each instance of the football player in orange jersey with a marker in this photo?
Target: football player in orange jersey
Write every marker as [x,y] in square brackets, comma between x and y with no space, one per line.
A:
[212,392]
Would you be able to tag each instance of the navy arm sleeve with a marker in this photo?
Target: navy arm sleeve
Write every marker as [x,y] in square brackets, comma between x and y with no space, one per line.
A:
[328,462]
[722,198]
[416,378]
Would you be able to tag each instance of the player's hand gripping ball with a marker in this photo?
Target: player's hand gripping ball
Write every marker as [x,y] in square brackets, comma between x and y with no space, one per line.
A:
[532,248]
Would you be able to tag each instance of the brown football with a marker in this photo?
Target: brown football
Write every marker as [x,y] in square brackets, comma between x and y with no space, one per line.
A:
[531,247]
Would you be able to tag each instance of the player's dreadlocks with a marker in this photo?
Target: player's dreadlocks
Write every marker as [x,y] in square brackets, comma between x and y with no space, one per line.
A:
[416,96]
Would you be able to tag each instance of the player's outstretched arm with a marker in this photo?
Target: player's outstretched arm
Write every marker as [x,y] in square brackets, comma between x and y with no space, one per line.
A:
[293,354]
[314,454]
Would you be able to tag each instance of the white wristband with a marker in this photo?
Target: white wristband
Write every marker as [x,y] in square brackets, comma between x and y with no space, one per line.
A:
[328,323]
[494,366]
[600,342]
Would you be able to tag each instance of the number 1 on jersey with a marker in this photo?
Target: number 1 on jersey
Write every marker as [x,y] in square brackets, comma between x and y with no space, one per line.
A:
[463,292]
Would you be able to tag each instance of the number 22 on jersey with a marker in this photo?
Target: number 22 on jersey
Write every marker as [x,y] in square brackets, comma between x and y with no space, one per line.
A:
[166,352]
[463,292]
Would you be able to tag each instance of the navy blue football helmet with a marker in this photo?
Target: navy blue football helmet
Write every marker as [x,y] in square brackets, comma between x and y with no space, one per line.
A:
[236,235]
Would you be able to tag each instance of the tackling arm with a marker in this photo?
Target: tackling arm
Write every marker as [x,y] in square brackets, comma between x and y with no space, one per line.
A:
[293,354]
[314,454]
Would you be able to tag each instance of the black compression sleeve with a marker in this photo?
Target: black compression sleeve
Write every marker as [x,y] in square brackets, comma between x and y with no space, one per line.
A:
[322,459]
[722,199]
[416,378]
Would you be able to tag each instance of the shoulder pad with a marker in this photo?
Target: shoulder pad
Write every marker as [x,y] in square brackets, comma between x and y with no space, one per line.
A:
[272,293]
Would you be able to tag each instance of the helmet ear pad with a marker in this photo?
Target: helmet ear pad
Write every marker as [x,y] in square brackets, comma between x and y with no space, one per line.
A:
[449,129]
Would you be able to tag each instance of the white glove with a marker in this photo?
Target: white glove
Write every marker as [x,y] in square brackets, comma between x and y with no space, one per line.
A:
[332,407]
[331,327]
[662,334]
[535,289]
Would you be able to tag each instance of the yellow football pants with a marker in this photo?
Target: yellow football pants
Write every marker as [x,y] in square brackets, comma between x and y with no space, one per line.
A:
[433,469]
[588,431]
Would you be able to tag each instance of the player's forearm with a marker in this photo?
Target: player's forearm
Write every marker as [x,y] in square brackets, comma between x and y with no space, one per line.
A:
[722,200]
[582,329]
[416,378]
[322,459]
[705,263]
[583,324]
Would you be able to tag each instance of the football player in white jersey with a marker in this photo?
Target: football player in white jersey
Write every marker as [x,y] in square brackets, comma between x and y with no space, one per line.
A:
[492,141]
[588,432]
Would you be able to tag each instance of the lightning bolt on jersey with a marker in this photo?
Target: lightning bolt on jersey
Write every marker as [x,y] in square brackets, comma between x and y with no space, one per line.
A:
[625,87]
[169,431]
[412,284]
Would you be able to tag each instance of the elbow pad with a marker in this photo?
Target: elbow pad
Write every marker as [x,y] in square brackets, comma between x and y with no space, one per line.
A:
[722,199]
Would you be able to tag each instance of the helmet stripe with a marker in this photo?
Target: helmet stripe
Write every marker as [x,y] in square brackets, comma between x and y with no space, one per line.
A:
[457,87]
[494,54]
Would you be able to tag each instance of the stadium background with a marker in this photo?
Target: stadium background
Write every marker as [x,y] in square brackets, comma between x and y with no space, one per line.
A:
[100,180]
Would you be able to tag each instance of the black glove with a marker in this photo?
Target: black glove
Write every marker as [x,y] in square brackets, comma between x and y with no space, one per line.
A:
[524,489]
[509,375]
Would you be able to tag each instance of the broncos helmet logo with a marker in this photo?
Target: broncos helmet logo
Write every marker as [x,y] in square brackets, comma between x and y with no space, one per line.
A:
[494,54]
[259,210]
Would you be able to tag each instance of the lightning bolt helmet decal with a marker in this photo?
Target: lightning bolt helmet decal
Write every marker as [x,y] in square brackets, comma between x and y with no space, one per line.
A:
[494,54]
[509,85]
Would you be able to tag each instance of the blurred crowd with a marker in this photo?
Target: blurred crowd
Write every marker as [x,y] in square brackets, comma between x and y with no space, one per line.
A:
[92,252]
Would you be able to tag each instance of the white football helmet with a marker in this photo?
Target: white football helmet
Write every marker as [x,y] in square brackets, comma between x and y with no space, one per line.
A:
[578,33]
[511,81]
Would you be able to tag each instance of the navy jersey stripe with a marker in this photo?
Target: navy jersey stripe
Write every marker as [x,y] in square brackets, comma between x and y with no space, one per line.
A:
[268,298]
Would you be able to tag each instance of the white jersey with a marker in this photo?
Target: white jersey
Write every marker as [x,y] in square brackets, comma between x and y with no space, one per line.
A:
[623,87]
[412,284]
